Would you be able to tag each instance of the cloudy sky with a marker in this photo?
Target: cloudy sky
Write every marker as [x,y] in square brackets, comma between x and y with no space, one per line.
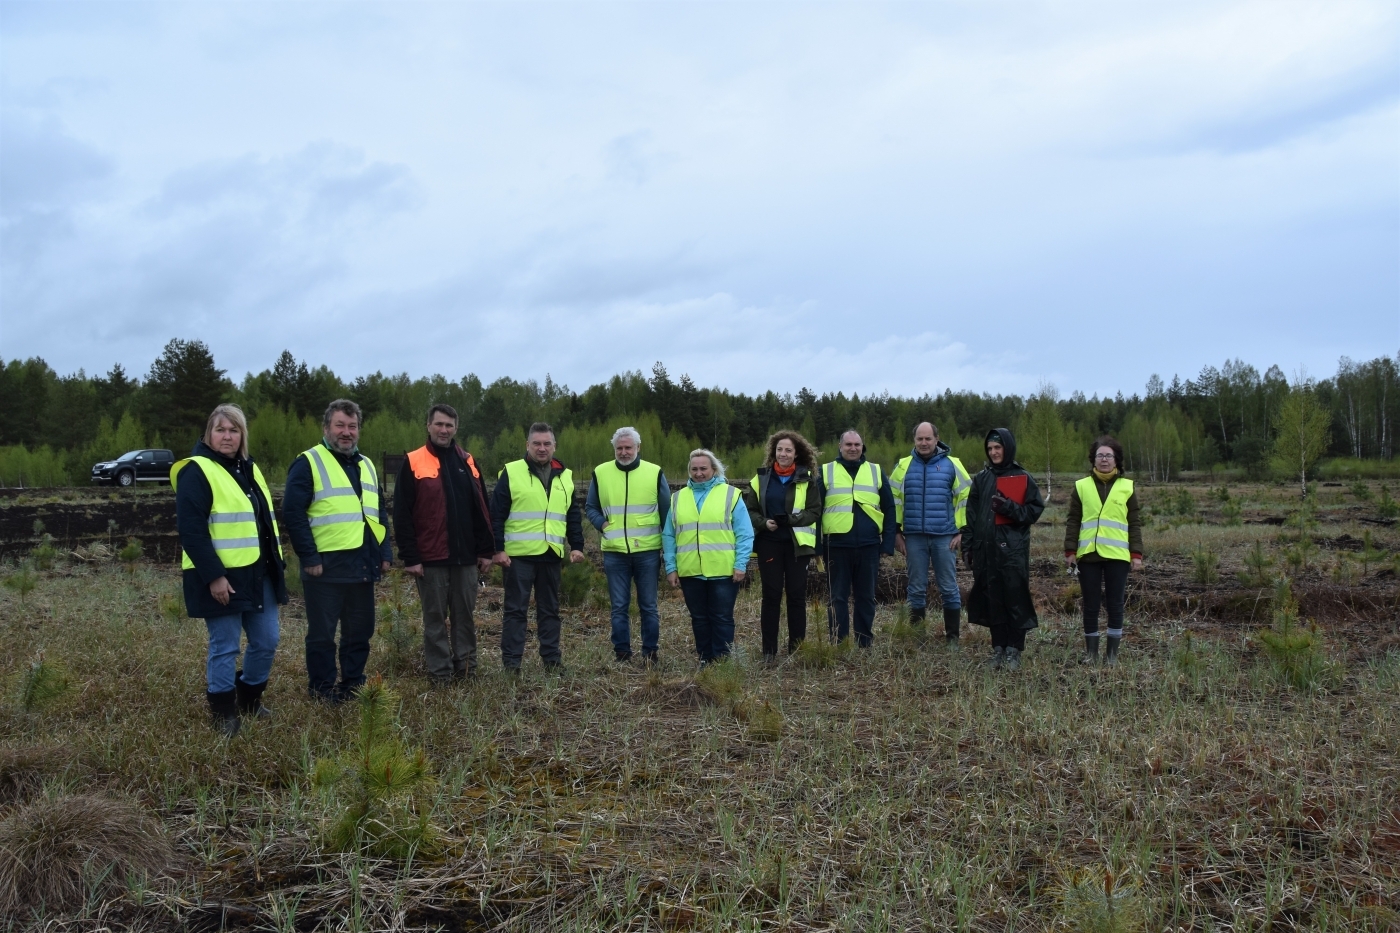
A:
[907,197]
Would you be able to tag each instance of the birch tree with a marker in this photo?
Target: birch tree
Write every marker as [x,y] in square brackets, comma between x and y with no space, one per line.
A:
[1302,429]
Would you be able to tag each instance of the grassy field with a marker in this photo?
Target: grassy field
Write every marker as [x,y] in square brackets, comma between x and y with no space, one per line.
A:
[902,788]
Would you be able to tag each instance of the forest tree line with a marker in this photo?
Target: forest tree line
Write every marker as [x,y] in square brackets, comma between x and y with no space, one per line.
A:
[54,427]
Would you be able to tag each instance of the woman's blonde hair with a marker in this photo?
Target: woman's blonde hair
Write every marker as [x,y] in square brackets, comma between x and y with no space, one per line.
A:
[234,416]
[714,461]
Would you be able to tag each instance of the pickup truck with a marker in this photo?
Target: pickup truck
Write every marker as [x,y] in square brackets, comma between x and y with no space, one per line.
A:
[135,466]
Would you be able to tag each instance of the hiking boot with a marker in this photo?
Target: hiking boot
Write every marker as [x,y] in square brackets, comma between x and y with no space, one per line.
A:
[1013,659]
[223,712]
[249,698]
[1091,650]
[997,659]
[1110,651]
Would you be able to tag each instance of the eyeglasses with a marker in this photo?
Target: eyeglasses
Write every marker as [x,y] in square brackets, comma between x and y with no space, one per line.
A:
[1103,456]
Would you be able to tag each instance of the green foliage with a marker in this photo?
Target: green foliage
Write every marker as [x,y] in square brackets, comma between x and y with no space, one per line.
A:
[45,553]
[22,581]
[379,790]
[131,554]
[111,442]
[1294,649]
[1344,570]
[40,684]
[1098,901]
[578,582]
[1232,513]
[1370,554]
[763,722]
[1387,507]
[1258,565]
[819,653]
[1045,443]
[396,628]
[276,438]
[1205,564]
[181,389]
[722,682]
[1187,659]
[1302,427]
[39,466]
[1360,490]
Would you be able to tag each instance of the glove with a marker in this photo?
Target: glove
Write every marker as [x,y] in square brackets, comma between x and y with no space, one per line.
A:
[1003,506]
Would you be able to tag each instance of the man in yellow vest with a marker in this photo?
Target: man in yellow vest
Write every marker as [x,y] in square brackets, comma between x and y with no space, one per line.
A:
[627,502]
[535,521]
[332,511]
[858,525]
[443,527]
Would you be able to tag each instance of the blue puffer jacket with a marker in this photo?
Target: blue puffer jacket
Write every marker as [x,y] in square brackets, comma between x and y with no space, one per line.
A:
[928,494]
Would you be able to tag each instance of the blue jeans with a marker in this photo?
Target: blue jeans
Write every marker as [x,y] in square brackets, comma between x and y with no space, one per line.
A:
[225,636]
[621,570]
[921,550]
[853,573]
[711,605]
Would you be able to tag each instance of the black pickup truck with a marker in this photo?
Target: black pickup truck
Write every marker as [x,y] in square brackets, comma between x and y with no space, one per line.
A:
[135,466]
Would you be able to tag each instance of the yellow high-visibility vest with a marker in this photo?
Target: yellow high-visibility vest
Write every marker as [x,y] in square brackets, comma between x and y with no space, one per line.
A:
[802,535]
[844,492]
[705,538]
[233,525]
[538,520]
[634,515]
[336,513]
[1104,529]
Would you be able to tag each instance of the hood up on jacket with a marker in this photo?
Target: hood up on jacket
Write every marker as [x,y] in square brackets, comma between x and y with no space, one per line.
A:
[1008,443]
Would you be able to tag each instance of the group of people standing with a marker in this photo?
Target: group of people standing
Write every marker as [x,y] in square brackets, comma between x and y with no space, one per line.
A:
[450,530]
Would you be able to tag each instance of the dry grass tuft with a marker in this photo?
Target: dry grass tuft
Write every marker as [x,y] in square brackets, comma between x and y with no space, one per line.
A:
[55,851]
[23,770]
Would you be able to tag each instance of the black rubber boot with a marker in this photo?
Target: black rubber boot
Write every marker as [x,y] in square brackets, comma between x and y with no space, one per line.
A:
[223,711]
[250,698]
[1091,649]
[952,621]
[916,616]
[1110,651]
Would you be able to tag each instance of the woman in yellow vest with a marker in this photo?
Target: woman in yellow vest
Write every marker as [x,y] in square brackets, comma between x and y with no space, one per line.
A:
[706,543]
[784,505]
[232,560]
[1103,538]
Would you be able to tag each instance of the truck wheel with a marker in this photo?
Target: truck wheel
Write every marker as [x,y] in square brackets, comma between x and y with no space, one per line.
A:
[126,478]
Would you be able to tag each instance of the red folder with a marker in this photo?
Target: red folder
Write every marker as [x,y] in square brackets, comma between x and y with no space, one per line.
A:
[1013,488]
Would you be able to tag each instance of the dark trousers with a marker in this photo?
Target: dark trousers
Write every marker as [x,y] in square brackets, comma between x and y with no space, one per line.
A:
[1105,580]
[782,572]
[852,571]
[711,606]
[1008,636]
[521,577]
[351,607]
[448,594]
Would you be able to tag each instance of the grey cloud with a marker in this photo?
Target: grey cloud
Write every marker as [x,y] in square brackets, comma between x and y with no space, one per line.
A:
[44,167]
[630,159]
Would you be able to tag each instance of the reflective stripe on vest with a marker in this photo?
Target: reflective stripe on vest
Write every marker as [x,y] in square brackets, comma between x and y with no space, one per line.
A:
[1104,529]
[634,515]
[803,535]
[538,521]
[844,492]
[336,512]
[233,527]
[962,489]
[705,537]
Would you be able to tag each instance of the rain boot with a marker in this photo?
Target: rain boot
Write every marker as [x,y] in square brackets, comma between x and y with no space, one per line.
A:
[1091,649]
[250,698]
[916,617]
[223,711]
[1110,651]
[952,619]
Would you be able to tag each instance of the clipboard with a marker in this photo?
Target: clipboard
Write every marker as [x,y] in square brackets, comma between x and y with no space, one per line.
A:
[1013,488]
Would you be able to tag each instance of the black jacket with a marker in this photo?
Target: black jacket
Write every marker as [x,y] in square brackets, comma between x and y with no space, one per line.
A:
[357,565]
[1000,555]
[808,512]
[193,500]
[500,509]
